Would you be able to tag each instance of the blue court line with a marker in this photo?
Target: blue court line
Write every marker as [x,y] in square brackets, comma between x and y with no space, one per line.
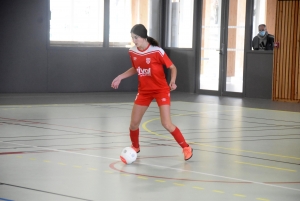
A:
[5,199]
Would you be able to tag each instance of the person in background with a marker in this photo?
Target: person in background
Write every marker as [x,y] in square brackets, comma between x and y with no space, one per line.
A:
[147,60]
[263,40]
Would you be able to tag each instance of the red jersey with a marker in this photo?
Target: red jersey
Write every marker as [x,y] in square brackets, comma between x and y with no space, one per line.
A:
[149,66]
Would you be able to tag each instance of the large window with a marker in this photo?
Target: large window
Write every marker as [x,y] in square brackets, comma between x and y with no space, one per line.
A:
[81,22]
[124,14]
[264,12]
[180,21]
[120,23]
[76,22]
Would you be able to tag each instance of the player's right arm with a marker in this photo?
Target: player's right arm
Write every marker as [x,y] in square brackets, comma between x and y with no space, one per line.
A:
[115,83]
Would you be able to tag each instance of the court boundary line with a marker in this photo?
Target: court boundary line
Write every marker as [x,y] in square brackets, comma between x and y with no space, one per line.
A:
[131,103]
[160,166]
[144,126]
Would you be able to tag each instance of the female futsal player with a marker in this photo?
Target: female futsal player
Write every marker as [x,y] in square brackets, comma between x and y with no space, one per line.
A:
[147,61]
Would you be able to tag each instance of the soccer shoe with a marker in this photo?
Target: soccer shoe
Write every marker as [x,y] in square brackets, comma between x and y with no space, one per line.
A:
[187,152]
[137,150]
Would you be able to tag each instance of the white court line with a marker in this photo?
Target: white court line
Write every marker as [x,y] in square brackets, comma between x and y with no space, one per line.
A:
[159,166]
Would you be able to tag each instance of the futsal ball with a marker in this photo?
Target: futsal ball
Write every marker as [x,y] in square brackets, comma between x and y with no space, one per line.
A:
[128,155]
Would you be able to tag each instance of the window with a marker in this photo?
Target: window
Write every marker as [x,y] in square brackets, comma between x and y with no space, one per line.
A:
[76,22]
[124,14]
[81,22]
[180,20]
[264,12]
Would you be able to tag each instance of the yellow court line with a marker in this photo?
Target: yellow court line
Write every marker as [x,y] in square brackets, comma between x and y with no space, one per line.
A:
[262,199]
[216,191]
[95,169]
[178,184]
[144,126]
[199,188]
[140,177]
[61,163]
[271,167]
[107,171]
[239,195]
[162,181]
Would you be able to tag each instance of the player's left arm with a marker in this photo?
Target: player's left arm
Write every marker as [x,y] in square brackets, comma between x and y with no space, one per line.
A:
[172,84]
[165,60]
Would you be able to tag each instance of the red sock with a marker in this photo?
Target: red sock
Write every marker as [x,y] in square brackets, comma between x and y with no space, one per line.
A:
[179,138]
[134,136]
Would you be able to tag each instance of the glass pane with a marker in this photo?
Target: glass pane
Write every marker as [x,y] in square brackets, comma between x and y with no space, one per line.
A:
[124,14]
[235,41]
[120,23]
[76,22]
[180,28]
[264,12]
[210,44]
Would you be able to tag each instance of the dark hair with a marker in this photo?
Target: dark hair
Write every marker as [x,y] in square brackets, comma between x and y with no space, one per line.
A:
[152,41]
[141,31]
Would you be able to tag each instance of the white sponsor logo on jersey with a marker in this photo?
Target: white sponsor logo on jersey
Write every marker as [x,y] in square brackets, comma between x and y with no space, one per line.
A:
[148,60]
[143,71]
[134,58]
[163,99]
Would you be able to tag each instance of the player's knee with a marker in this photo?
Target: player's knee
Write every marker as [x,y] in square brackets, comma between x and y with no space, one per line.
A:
[133,126]
[167,125]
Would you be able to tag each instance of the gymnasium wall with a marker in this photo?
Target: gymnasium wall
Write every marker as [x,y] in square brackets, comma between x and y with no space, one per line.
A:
[28,65]
[23,49]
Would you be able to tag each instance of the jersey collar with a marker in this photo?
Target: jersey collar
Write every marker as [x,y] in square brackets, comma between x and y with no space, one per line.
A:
[144,49]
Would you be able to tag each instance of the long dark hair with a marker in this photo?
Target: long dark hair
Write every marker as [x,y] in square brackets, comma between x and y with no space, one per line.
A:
[141,31]
[152,41]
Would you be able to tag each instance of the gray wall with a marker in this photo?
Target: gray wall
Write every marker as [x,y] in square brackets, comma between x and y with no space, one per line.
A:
[258,75]
[23,46]
[184,60]
[79,70]
[27,64]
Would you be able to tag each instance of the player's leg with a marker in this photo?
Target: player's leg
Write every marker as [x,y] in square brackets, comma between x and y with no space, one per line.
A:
[174,130]
[140,106]
[167,124]
[164,101]
[137,114]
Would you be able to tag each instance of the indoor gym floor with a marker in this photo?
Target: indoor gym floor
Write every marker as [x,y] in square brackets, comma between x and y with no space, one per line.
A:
[65,147]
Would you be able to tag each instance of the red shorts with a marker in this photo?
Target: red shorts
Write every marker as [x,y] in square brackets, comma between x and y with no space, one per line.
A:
[162,98]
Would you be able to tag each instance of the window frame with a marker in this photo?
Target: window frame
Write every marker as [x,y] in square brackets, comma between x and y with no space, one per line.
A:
[166,24]
[73,44]
[99,45]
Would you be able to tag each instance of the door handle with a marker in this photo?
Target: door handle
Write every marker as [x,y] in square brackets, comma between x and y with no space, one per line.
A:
[222,49]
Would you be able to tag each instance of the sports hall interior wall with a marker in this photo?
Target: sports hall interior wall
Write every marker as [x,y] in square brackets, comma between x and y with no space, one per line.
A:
[29,65]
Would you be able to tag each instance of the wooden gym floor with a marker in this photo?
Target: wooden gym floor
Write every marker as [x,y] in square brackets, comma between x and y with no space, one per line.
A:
[65,147]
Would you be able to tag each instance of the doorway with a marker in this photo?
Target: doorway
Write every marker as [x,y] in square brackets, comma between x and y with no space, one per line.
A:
[221,66]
